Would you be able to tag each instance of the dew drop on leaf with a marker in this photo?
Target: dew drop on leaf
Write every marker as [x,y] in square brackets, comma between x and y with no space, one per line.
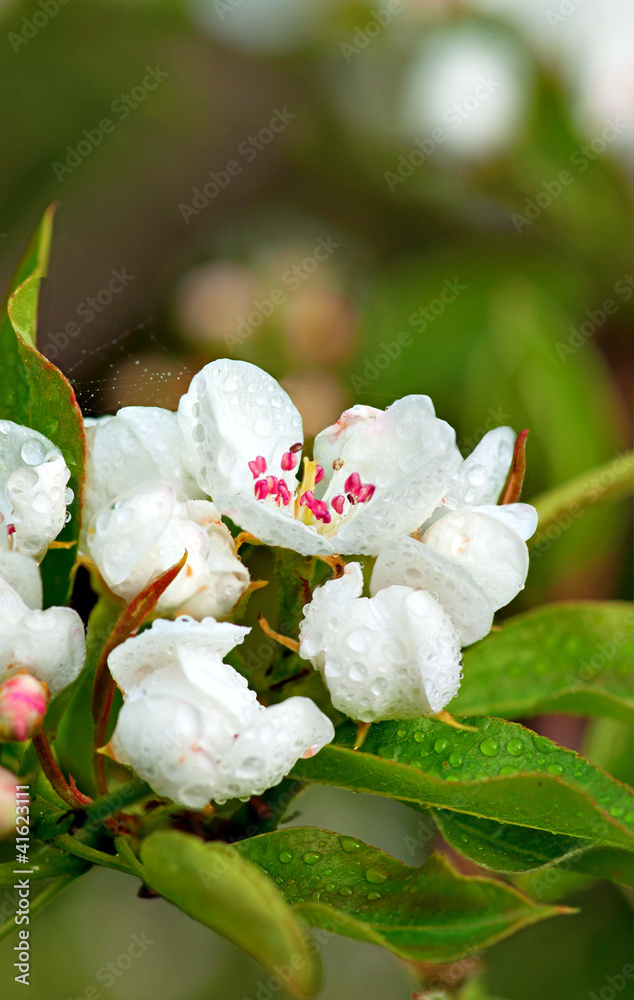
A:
[349,844]
[456,759]
[285,857]
[419,737]
[373,895]
[514,747]
[489,747]
[345,891]
[556,769]
[311,858]
[441,745]
[375,876]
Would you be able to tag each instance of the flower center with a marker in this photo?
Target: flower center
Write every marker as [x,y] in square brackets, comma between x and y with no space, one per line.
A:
[306,507]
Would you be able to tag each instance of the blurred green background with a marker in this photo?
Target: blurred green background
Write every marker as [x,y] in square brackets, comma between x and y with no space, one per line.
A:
[367,200]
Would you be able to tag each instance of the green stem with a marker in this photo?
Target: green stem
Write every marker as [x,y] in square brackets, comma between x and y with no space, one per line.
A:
[73,846]
[123,797]
[124,850]
[607,482]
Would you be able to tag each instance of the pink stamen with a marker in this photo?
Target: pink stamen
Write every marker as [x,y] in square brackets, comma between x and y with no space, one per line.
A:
[307,499]
[261,489]
[352,483]
[319,473]
[10,529]
[296,447]
[271,483]
[258,466]
[283,493]
[289,461]
[365,492]
[337,503]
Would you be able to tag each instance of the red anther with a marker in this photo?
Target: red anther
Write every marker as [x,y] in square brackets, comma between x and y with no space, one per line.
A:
[10,529]
[289,461]
[337,503]
[319,473]
[352,483]
[258,466]
[296,447]
[365,492]
[261,489]
[271,483]
[283,492]
[308,499]
[352,498]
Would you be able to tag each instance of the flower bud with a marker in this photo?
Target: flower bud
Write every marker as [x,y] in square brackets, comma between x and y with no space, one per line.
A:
[23,703]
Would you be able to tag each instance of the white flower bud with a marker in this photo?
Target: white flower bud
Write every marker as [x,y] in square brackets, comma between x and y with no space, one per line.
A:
[146,531]
[49,644]
[392,656]
[190,725]
[33,489]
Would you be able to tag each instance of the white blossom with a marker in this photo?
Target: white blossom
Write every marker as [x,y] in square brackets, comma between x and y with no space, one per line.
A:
[147,530]
[138,446]
[33,489]
[190,725]
[22,572]
[49,644]
[392,656]
[376,473]
[473,560]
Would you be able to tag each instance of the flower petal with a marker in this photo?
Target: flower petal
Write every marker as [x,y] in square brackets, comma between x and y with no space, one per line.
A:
[154,649]
[275,525]
[480,478]
[330,441]
[392,656]
[495,555]
[519,517]
[50,644]
[23,573]
[265,752]
[235,412]
[408,562]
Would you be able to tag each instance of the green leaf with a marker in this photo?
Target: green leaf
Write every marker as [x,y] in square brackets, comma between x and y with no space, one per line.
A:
[429,914]
[572,658]
[513,850]
[502,771]
[214,884]
[33,392]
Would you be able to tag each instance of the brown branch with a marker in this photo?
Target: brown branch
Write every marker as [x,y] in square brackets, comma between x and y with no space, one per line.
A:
[514,481]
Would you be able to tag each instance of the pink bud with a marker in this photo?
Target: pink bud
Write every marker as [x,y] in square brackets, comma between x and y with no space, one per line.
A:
[23,702]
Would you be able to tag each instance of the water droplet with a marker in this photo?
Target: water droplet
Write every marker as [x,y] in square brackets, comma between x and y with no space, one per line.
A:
[419,737]
[543,745]
[345,891]
[349,844]
[514,747]
[330,887]
[506,770]
[33,452]
[489,747]
[464,838]
[286,857]
[375,876]
[441,745]
[279,879]
[456,759]
[629,818]
[311,858]
[616,811]
[373,895]
[556,769]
